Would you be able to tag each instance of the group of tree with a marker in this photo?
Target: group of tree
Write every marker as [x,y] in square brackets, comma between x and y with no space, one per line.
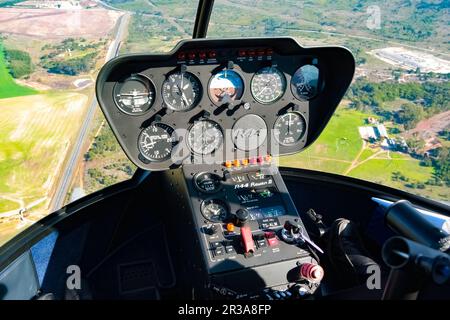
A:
[19,63]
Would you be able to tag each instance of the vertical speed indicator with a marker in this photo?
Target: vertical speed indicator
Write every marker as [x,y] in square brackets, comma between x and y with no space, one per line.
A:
[156,142]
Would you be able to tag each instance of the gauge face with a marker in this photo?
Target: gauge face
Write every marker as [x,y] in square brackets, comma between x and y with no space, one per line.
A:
[225,86]
[289,128]
[135,95]
[305,82]
[181,91]
[214,210]
[156,142]
[268,85]
[249,132]
[208,182]
[205,137]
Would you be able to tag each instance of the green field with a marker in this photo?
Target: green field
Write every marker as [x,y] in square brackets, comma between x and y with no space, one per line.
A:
[8,88]
[340,150]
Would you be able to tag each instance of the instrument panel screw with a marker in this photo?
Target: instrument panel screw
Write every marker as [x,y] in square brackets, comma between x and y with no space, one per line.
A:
[246,106]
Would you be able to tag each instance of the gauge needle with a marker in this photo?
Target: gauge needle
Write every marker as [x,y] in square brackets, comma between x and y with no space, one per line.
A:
[262,90]
[183,96]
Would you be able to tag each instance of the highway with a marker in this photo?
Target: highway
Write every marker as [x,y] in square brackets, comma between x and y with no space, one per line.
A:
[74,157]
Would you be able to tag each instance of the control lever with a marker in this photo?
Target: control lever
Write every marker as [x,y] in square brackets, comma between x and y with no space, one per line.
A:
[293,232]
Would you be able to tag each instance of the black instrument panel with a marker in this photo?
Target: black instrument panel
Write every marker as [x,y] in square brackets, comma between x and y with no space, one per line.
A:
[222,99]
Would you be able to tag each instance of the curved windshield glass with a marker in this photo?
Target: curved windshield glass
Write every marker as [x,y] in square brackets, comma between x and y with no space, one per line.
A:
[392,127]
[55,144]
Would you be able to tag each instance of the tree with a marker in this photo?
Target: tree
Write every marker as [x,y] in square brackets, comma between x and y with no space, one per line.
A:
[409,115]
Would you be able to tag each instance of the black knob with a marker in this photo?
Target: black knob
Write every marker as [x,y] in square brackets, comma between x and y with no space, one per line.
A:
[242,215]
[291,226]
[212,229]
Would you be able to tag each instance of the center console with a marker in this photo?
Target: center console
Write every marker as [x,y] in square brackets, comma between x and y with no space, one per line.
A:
[252,241]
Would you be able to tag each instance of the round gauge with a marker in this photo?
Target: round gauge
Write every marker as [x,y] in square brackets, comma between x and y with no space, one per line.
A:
[181,91]
[289,128]
[156,142]
[225,86]
[208,182]
[305,82]
[214,210]
[249,132]
[205,136]
[135,95]
[268,85]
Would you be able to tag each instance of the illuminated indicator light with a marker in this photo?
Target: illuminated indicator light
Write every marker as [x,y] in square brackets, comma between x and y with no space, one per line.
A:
[242,53]
[244,162]
[269,52]
[230,227]
[236,163]
[252,160]
[268,158]
[228,164]
[212,54]
[261,52]
[260,159]
[191,55]
[251,53]
[202,55]
[181,56]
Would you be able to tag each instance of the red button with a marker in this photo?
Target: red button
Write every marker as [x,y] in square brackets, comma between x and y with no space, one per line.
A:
[271,238]
[251,53]
[247,240]
[202,55]
[181,56]
[260,159]
[261,52]
[212,54]
[191,55]
[269,52]
[252,160]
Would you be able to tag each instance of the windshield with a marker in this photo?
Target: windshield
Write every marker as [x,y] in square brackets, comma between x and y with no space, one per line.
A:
[392,127]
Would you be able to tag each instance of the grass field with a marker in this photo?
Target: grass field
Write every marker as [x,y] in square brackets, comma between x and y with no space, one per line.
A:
[35,133]
[340,150]
[8,88]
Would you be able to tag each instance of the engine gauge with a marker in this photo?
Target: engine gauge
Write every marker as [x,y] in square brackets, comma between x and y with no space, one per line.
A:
[181,91]
[268,85]
[208,182]
[305,82]
[156,142]
[225,86]
[214,210]
[249,132]
[204,137]
[135,95]
[289,128]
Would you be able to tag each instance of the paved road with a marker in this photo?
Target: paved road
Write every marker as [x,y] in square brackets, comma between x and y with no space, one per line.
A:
[67,174]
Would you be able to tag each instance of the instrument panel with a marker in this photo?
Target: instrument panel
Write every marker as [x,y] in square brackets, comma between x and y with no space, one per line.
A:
[222,99]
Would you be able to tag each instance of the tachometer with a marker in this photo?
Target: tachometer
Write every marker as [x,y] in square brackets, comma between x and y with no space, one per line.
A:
[305,82]
[156,142]
[181,91]
[268,85]
[225,86]
[205,136]
[289,128]
[214,210]
[135,95]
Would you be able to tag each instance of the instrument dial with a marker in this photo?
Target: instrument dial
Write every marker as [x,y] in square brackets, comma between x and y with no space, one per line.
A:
[305,82]
[208,182]
[214,210]
[268,85]
[225,86]
[135,95]
[204,137]
[289,128]
[181,91]
[156,142]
